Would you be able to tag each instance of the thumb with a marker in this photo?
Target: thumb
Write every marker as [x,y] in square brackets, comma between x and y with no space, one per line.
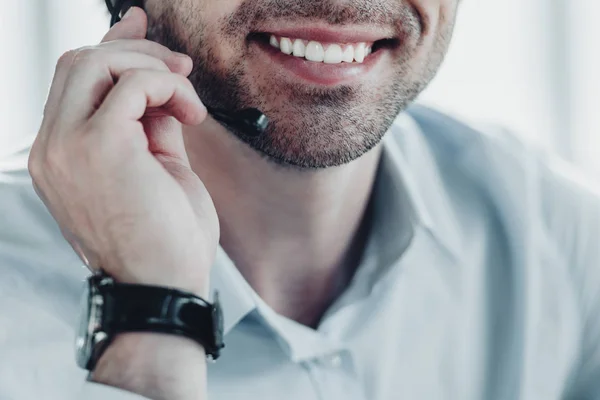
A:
[133,26]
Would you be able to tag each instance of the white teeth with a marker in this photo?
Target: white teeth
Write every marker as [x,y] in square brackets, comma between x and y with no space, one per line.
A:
[299,48]
[348,55]
[359,52]
[333,54]
[315,52]
[286,46]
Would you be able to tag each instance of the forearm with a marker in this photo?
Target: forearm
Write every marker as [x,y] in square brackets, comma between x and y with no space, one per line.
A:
[159,367]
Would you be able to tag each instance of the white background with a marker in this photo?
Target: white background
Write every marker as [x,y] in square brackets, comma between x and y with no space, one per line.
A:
[531,65]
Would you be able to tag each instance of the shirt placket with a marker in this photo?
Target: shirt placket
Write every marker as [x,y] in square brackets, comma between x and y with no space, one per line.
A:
[334,377]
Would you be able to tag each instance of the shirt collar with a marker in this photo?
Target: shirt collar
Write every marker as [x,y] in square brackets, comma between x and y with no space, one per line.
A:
[235,294]
[409,192]
[412,189]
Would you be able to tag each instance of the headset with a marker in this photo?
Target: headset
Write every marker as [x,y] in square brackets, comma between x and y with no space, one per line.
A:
[117,7]
[250,121]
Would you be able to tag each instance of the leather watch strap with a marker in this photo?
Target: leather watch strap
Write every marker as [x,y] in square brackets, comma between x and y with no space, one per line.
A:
[138,308]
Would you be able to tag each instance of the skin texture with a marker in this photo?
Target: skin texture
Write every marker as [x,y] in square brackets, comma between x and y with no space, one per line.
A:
[312,127]
[145,185]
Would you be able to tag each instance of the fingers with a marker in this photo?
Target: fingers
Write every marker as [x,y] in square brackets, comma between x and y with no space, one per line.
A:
[177,62]
[130,33]
[139,89]
[94,67]
[133,26]
[93,75]
[124,79]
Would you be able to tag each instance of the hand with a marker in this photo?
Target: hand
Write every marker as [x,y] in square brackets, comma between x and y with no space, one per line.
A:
[109,161]
[110,164]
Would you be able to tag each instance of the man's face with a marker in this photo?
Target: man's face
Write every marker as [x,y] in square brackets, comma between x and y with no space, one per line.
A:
[321,113]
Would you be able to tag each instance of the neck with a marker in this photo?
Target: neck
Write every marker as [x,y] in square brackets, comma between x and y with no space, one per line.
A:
[295,235]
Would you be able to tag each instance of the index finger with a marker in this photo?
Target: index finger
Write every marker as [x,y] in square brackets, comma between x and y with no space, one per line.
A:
[133,26]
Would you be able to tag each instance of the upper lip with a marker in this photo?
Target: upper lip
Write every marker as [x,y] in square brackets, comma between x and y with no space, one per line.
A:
[329,34]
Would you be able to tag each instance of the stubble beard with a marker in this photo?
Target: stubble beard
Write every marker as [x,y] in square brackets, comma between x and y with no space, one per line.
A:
[310,128]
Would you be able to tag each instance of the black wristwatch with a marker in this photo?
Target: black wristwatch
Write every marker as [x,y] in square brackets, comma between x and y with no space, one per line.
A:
[110,308]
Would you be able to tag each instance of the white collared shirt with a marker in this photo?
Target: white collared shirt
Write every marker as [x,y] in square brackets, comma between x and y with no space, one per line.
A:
[481,280]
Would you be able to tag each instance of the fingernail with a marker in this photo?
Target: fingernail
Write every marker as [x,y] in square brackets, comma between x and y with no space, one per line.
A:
[181,55]
[127,14]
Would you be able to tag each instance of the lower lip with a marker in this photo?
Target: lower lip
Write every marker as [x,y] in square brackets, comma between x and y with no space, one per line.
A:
[320,73]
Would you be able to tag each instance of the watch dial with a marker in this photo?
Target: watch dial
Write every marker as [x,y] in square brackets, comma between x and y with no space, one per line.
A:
[82,344]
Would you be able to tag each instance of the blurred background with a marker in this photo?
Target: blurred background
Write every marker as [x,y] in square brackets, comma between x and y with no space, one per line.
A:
[530,65]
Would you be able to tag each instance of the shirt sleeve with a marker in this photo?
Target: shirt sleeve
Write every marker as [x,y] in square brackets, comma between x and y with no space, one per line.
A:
[41,282]
[97,391]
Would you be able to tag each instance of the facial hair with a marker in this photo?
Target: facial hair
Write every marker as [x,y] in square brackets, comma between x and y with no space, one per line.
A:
[310,127]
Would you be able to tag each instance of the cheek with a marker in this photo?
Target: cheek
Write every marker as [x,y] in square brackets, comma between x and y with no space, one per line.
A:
[438,18]
[215,10]
[225,50]
[436,15]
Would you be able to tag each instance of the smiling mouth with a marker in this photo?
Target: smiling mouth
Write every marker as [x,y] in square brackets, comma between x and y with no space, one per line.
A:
[324,52]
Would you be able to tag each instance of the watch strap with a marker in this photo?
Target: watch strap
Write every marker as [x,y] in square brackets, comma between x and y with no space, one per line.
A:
[140,308]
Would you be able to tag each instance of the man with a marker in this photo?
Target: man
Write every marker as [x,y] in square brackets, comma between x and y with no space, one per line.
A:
[360,249]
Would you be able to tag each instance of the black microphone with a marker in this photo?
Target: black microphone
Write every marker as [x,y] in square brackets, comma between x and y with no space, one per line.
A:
[249,120]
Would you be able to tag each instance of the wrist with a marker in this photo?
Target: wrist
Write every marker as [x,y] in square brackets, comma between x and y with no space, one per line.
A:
[192,280]
[185,268]
[157,366]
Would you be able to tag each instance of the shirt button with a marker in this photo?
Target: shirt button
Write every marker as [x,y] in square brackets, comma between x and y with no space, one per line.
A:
[333,360]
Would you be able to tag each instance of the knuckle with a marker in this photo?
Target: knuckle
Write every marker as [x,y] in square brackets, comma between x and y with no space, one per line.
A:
[142,46]
[33,166]
[149,62]
[185,80]
[66,59]
[140,76]
[132,48]
[129,79]
[84,56]
[179,80]
[132,74]
[160,65]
